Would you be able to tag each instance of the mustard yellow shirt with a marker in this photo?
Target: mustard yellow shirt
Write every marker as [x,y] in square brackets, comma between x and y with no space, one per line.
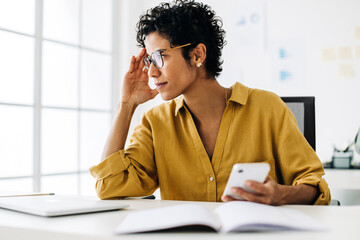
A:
[166,151]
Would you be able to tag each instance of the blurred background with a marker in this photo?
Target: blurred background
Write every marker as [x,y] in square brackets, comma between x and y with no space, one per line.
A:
[62,62]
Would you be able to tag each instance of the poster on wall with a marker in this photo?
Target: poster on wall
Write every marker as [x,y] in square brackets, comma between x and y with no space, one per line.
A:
[246,30]
[244,24]
[287,63]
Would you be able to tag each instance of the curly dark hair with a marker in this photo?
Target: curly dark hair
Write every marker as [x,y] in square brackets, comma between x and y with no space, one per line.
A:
[186,21]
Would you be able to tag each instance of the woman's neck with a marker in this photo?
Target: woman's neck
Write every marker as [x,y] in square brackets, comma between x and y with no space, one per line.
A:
[206,99]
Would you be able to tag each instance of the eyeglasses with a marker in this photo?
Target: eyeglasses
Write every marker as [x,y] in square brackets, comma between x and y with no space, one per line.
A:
[157,58]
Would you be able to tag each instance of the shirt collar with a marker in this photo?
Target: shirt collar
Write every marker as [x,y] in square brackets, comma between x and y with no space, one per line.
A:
[240,94]
[179,104]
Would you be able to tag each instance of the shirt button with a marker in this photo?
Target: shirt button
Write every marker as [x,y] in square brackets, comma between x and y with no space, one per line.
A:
[211,179]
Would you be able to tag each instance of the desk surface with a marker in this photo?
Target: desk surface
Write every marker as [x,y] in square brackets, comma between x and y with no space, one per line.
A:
[342,178]
[343,223]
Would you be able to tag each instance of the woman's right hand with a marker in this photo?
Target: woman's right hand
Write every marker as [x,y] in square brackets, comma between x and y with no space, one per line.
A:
[136,88]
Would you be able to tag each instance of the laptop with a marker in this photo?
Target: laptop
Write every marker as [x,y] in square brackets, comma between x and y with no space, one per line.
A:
[54,205]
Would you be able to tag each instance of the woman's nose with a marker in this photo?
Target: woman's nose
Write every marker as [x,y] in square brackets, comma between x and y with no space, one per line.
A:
[153,72]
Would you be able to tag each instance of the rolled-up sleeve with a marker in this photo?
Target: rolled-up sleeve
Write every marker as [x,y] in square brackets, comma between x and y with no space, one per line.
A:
[130,172]
[298,162]
[324,192]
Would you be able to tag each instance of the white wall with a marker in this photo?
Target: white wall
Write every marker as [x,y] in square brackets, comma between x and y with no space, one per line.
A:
[319,24]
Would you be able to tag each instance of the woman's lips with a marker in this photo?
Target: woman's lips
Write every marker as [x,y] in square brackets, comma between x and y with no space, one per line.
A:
[160,85]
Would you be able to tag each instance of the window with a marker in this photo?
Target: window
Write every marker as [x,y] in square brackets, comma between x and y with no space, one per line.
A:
[56,63]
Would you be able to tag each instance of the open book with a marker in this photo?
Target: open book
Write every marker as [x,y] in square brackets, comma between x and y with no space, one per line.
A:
[234,216]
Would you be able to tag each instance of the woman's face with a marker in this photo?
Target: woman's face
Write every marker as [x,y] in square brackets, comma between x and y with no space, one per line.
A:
[176,76]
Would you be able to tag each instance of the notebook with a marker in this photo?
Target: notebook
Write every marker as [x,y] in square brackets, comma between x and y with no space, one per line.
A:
[235,216]
[54,205]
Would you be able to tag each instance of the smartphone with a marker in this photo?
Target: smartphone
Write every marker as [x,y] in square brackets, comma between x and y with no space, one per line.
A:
[245,171]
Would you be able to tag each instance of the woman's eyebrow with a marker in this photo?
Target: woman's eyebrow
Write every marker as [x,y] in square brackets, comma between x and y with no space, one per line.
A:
[161,49]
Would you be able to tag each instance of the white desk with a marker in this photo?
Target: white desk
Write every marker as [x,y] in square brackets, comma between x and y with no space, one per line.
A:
[344,185]
[343,178]
[342,221]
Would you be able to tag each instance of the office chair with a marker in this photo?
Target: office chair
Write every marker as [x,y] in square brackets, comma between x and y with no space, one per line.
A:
[303,109]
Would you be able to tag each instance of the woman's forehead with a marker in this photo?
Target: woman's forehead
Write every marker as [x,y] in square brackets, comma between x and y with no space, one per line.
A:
[154,41]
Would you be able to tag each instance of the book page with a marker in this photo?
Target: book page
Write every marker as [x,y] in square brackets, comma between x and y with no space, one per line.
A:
[246,216]
[167,218]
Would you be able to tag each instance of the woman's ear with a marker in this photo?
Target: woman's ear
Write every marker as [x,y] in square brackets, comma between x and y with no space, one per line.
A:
[199,55]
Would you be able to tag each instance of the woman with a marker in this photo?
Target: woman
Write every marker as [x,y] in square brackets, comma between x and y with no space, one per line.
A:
[187,146]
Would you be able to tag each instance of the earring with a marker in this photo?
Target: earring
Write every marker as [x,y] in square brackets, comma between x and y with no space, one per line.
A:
[199,64]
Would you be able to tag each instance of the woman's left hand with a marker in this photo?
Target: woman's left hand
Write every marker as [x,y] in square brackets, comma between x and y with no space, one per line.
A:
[269,192]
